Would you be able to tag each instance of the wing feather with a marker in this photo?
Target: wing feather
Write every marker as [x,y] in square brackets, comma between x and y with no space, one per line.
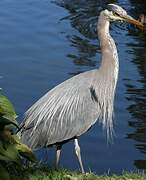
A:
[68,110]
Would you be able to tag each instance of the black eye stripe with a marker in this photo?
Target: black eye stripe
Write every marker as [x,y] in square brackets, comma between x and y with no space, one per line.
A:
[115,13]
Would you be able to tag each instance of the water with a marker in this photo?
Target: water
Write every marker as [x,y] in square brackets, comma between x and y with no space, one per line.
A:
[44,42]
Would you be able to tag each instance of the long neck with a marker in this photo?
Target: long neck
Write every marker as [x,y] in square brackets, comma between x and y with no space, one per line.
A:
[109,61]
[107,74]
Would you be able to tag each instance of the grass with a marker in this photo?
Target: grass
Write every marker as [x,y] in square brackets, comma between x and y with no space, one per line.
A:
[42,172]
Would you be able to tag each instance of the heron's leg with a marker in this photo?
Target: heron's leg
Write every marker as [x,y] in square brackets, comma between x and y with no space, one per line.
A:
[58,152]
[78,153]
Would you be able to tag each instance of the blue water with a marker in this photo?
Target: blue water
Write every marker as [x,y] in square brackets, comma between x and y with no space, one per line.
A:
[43,43]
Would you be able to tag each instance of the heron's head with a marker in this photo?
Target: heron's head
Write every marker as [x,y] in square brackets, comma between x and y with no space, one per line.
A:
[116,13]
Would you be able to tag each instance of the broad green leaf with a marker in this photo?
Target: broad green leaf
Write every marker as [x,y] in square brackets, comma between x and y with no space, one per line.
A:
[25,151]
[7,136]
[6,122]
[3,157]
[6,109]
[10,152]
[15,139]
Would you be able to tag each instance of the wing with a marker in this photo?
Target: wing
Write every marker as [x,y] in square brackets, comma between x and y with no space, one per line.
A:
[68,110]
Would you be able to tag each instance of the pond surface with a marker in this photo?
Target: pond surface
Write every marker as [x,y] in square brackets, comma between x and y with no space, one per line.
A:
[43,43]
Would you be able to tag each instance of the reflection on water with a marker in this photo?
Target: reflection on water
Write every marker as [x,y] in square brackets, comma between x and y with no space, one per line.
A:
[136,91]
[137,95]
[83,14]
[86,51]
[83,17]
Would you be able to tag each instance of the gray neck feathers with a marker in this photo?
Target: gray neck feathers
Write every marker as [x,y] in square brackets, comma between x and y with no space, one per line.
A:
[107,44]
[108,71]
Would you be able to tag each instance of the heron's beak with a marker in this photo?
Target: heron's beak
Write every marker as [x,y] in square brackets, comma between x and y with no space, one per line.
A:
[133,21]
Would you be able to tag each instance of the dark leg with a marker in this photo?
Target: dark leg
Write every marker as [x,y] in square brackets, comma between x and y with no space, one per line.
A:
[58,152]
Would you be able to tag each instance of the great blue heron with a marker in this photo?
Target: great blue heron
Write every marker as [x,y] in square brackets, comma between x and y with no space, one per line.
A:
[71,108]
